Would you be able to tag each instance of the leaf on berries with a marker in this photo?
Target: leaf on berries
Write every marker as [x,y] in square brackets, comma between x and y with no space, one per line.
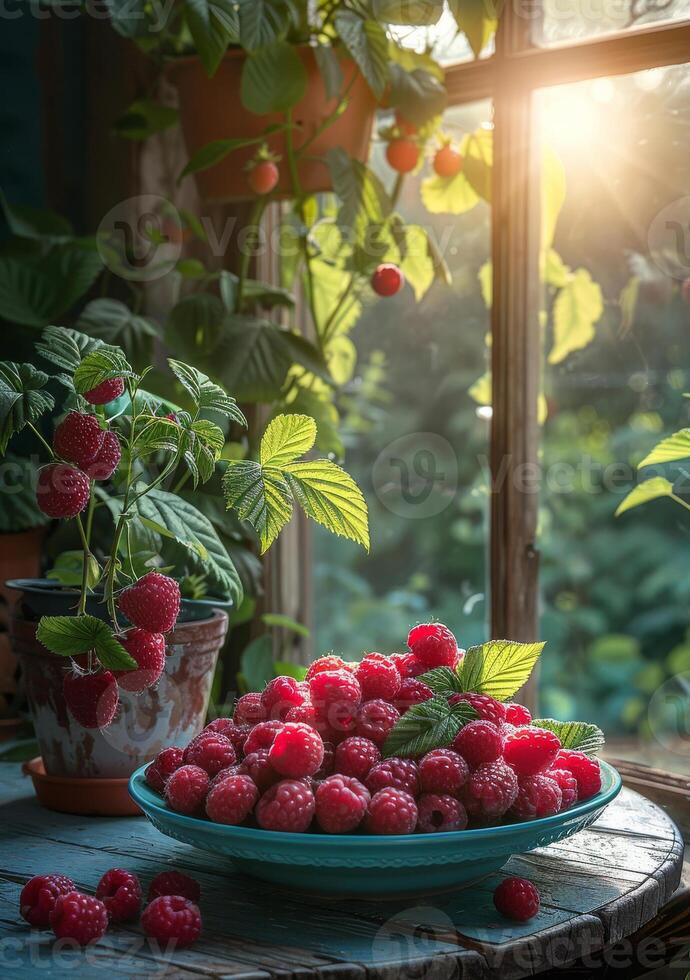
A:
[22,398]
[498,668]
[65,347]
[207,395]
[442,680]
[102,364]
[579,735]
[430,725]
[68,636]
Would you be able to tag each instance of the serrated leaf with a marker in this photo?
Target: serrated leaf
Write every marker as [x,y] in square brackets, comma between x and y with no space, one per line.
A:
[658,486]
[213,25]
[274,79]
[331,497]
[477,19]
[498,667]
[448,195]
[578,735]
[99,365]
[65,348]
[432,724]
[203,442]
[286,438]
[576,309]
[442,680]
[69,636]
[262,22]
[143,118]
[417,93]
[367,43]
[154,435]
[207,395]
[363,199]
[68,569]
[417,264]
[669,450]
[22,399]
[259,495]
[412,13]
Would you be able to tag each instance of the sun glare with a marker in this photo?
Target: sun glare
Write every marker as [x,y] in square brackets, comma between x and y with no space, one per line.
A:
[573,118]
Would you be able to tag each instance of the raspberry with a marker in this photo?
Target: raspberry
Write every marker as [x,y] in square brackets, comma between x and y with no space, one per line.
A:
[222,726]
[223,774]
[91,698]
[154,778]
[172,918]
[186,788]
[517,899]
[259,769]
[238,735]
[584,768]
[408,665]
[391,811]
[287,806]
[107,459]
[106,391]
[397,773]
[249,710]
[296,751]
[61,490]
[331,662]
[153,603]
[281,694]
[341,804]
[440,813]
[148,649]
[378,678]
[517,714]
[491,790]
[232,800]
[567,784]
[81,918]
[78,439]
[120,892]
[412,691]
[262,735]
[326,767]
[39,894]
[487,708]
[174,883]
[355,756]
[537,797]
[212,752]
[442,771]
[530,750]
[375,720]
[434,645]
[334,722]
[478,742]
[330,687]
[305,713]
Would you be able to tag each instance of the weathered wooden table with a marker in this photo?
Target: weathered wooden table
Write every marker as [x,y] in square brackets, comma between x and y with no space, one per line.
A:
[597,888]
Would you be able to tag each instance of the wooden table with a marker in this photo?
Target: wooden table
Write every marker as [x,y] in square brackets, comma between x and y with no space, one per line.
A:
[597,888]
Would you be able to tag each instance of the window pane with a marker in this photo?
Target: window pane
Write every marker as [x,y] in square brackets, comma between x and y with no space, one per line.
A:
[414,427]
[574,20]
[448,45]
[616,590]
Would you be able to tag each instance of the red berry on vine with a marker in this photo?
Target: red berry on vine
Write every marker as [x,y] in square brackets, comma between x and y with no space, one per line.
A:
[402,155]
[78,439]
[106,391]
[62,490]
[263,177]
[387,279]
[91,698]
[406,127]
[447,161]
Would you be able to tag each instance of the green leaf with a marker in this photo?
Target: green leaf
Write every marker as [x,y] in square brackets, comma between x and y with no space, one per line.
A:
[262,22]
[65,348]
[298,671]
[499,667]
[70,636]
[260,496]
[274,79]
[206,394]
[486,283]
[418,94]
[363,198]
[417,265]
[669,450]
[330,69]
[99,365]
[658,486]
[283,622]
[448,195]
[555,272]
[145,118]
[432,724]
[286,438]
[212,153]
[128,17]
[477,149]
[578,735]
[213,25]
[68,569]
[442,680]
[22,399]
[412,13]
[331,497]
[194,325]
[256,662]
[154,434]
[114,323]
[477,19]
[203,444]
[552,194]
[26,222]
[576,309]
[367,43]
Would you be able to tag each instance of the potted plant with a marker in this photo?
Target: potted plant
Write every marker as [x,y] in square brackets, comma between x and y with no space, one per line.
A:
[112,674]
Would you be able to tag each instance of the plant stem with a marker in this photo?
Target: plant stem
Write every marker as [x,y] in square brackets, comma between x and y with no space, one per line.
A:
[329,120]
[41,440]
[254,220]
[85,567]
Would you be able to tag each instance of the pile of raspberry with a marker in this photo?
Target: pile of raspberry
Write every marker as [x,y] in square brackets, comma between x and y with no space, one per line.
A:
[171,914]
[308,755]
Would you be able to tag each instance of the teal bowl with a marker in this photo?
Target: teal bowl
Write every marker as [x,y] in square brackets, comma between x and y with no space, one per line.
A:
[370,866]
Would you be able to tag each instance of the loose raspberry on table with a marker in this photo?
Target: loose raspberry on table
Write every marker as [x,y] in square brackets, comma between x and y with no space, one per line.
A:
[287,806]
[256,765]
[584,768]
[106,391]
[212,752]
[186,788]
[107,459]
[412,691]
[378,678]
[297,750]
[478,742]
[91,698]
[78,438]
[537,797]
[355,756]
[517,714]
[120,892]
[439,813]
[408,665]
[262,735]
[249,710]
[397,773]
[172,919]
[443,771]
[232,800]
[152,603]
[375,720]
[517,899]
[326,767]
[81,918]
[174,883]
[487,708]
[330,662]
[330,687]
[148,649]
[279,695]
[391,811]
[491,790]
[341,804]
[39,894]
[62,490]
[434,645]
[530,750]
[567,784]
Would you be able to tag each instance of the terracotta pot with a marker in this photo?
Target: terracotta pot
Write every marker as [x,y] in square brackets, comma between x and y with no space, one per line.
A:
[210,109]
[20,557]
[170,713]
[98,797]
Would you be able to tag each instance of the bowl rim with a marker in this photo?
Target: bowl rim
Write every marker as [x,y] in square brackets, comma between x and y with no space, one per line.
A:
[147,799]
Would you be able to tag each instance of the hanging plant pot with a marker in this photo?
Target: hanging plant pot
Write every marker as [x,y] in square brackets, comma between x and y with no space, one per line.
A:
[210,109]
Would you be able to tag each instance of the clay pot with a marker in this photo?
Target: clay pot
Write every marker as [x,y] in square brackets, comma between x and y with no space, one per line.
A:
[210,109]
